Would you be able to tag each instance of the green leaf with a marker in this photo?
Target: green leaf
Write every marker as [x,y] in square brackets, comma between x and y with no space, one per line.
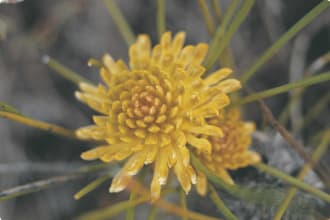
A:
[8,108]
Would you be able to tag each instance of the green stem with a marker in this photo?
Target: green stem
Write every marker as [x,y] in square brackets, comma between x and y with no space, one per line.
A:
[309,17]
[320,150]
[113,210]
[183,202]
[284,88]
[220,204]
[293,181]
[217,38]
[120,21]
[64,71]
[51,128]
[314,111]
[206,16]
[152,213]
[217,10]
[241,15]
[130,210]
[212,176]
[91,186]
[161,24]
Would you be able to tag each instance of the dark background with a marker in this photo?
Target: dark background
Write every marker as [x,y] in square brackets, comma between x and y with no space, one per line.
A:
[72,32]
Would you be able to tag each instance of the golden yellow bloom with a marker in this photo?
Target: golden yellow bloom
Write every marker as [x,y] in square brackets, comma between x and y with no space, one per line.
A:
[229,151]
[154,108]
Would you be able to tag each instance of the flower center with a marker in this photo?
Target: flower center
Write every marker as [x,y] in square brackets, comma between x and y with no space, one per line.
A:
[144,104]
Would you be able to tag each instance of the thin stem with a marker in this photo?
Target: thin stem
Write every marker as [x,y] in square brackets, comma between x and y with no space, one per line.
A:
[183,202]
[139,189]
[217,38]
[313,68]
[161,23]
[113,210]
[206,16]
[120,21]
[36,186]
[44,184]
[320,150]
[226,57]
[284,88]
[8,108]
[309,17]
[212,176]
[220,204]
[91,186]
[54,129]
[130,211]
[152,213]
[314,111]
[217,10]
[241,15]
[64,71]
[293,181]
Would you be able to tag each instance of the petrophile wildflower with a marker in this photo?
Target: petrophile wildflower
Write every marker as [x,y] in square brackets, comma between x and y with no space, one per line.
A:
[230,151]
[156,110]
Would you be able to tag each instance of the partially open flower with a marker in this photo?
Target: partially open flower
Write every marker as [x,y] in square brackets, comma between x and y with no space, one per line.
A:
[230,151]
[154,108]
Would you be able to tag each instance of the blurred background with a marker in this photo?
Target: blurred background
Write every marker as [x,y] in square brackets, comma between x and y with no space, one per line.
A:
[76,30]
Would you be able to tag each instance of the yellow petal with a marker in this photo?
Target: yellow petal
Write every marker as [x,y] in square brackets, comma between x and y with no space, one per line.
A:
[207,130]
[178,42]
[151,154]
[229,85]
[201,185]
[183,177]
[201,144]
[199,53]
[165,41]
[217,76]
[134,164]
[151,139]
[143,45]
[155,188]
[224,175]
[119,182]
[161,167]
[95,153]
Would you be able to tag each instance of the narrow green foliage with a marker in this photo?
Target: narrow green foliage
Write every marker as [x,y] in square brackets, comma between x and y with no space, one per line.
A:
[161,18]
[309,17]
[35,186]
[119,19]
[285,88]
[152,213]
[131,210]
[220,204]
[90,187]
[111,211]
[221,30]
[320,150]
[293,181]
[217,10]
[8,108]
[241,15]
[206,16]
[314,111]
[64,71]
[183,202]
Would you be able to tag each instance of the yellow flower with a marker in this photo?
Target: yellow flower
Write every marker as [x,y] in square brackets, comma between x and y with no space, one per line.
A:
[154,108]
[229,151]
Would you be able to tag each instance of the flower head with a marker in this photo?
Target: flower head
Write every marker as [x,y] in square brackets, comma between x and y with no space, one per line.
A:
[151,110]
[230,151]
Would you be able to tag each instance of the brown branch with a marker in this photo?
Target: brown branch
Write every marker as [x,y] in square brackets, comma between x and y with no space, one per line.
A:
[296,145]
